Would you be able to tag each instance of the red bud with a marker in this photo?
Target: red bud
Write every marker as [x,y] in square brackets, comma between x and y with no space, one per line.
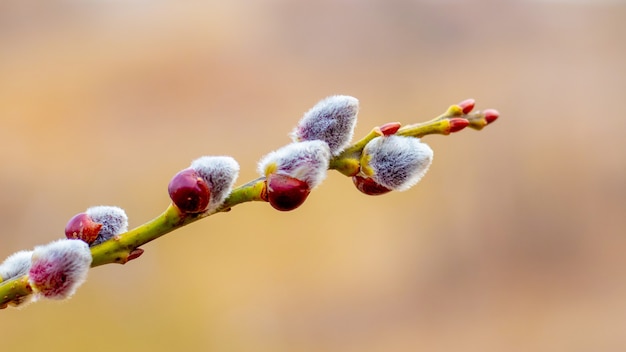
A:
[82,227]
[491,115]
[134,254]
[369,186]
[286,193]
[457,124]
[390,128]
[467,105]
[189,192]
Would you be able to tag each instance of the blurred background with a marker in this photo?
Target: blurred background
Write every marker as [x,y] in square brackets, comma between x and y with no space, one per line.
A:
[514,240]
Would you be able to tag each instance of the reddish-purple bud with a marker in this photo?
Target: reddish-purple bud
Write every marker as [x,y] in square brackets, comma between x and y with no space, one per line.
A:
[457,124]
[467,105]
[189,192]
[389,128]
[368,186]
[491,115]
[82,227]
[134,254]
[286,193]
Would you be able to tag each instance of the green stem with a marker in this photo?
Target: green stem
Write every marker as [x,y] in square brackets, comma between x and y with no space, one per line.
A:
[14,289]
[348,161]
[119,248]
[436,126]
[251,191]
[357,147]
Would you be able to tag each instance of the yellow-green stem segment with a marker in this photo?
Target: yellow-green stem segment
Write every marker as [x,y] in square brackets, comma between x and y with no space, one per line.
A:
[119,248]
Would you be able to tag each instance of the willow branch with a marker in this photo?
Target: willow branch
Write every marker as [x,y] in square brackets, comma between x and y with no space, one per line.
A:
[126,246]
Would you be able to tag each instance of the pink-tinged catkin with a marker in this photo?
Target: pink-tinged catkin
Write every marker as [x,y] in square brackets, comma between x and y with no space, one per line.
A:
[332,120]
[59,268]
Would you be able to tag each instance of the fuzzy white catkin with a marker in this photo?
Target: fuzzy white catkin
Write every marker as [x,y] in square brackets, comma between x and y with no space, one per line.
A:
[59,268]
[17,264]
[220,174]
[332,120]
[113,219]
[397,162]
[307,161]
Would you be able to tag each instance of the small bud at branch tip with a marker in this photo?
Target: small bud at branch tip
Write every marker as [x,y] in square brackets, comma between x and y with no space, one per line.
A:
[491,115]
[467,105]
[457,124]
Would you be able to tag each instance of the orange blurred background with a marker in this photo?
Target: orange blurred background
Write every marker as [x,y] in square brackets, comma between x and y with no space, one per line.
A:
[514,240]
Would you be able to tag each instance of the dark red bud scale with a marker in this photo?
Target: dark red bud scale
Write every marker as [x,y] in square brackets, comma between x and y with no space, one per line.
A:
[457,124]
[390,128]
[491,115]
[286,193]
[134,254]
[369,186]
[467,105]
[82,227]
[189,192]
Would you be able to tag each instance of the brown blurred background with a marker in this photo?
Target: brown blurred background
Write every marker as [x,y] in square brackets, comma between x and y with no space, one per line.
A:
[514,241]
